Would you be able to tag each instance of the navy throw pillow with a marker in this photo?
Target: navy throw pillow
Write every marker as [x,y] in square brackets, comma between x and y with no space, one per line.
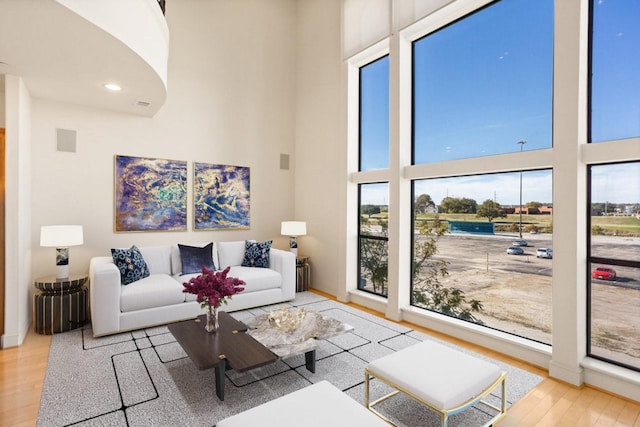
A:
[130,263]
[256,254]
[194,258]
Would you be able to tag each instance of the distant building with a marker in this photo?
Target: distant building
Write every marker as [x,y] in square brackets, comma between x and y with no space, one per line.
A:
[542,210]
[546,210]
[431,209]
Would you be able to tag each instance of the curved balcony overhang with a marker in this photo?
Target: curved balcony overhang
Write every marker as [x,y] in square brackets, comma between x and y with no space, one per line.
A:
[66,50]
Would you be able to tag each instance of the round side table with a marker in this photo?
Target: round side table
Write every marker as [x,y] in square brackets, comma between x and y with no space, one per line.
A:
[303,273]
[60,304]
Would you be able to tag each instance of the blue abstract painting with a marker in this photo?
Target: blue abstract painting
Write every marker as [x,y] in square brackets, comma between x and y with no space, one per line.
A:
[220,197]
[150,194]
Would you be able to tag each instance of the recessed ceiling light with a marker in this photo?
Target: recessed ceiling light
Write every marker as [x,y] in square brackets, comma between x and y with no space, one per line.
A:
[112,87]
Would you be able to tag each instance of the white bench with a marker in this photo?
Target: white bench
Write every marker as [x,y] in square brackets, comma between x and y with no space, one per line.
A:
[318,405]
[446,380]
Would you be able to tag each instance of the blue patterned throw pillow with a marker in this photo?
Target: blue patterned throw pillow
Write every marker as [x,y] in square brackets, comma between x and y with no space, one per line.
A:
[130,263]
[256,254]
[194,258]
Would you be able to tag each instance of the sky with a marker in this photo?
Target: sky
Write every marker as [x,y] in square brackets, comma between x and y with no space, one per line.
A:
[615,183]
[484,83]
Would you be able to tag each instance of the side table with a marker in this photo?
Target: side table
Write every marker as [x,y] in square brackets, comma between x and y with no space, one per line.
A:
[60,304]
[303,273]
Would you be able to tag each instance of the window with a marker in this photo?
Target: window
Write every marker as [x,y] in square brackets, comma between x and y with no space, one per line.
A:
[373,239]
[478,250]
[614,263]
[484,82]
[374,115]
[615,70]
[483,247]
[373,197]
[482,97]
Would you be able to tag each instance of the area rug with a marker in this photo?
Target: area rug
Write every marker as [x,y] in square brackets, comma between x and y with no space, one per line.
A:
[144,378]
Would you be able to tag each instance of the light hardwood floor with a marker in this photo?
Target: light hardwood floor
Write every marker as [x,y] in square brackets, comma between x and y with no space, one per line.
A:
[552,403]
[22,371]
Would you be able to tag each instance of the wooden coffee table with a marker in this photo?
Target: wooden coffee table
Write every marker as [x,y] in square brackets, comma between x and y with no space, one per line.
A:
[228,348]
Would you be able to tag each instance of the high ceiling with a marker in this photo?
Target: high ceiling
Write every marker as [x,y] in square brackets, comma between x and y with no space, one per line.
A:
[64,57]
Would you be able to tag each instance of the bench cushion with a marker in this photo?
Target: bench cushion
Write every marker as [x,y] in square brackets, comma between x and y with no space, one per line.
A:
[318,405]
[437,374]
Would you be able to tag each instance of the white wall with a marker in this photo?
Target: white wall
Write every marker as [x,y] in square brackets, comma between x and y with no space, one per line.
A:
[2,103]
[17,310]
[321,143]
[231,100]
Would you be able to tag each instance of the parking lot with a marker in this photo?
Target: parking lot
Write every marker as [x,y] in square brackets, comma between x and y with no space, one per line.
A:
[488,252]
[516,293]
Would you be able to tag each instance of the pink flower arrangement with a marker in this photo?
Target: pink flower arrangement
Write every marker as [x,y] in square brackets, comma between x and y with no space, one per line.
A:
[213,287]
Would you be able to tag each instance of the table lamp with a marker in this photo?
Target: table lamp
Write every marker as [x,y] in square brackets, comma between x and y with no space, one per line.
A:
[293,229]
[61,237]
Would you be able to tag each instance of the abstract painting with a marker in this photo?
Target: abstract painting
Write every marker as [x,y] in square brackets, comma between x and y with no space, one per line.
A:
[150,194]
[220,197]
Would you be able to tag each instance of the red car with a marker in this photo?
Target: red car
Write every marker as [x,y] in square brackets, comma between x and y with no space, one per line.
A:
[603,273]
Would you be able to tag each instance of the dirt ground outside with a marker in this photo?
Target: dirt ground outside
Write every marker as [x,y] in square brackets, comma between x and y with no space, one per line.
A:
[516,294]
[513,302]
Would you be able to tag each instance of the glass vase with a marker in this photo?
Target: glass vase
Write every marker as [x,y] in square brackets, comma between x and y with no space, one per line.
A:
[212,324]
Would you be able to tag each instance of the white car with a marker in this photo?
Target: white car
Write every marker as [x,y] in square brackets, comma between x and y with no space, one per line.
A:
[544,253]
[515,250]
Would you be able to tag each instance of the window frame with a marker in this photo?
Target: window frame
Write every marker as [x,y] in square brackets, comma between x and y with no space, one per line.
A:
[591,260]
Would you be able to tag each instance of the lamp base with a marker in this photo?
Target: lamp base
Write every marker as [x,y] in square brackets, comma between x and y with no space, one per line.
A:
[63,272]
[62,262]
[293,245]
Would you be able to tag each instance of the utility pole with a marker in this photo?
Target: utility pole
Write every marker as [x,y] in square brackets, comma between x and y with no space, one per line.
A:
[520,226]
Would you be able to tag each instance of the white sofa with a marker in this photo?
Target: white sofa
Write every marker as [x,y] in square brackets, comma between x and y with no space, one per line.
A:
[158,299]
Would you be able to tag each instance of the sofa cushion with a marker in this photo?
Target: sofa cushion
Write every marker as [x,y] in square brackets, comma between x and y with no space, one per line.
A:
[184,278]
[131,264]
[157,290]
[158,258]
[194,258]
[256,279]
[230,253]
[176,259]
[256,254]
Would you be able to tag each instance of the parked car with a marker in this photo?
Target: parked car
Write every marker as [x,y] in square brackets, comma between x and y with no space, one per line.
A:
[544,253]
[515,250]
[603,273]
[520,243]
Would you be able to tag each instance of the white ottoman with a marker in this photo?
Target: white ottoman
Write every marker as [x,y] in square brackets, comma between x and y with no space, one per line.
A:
[318,405]
[443,379]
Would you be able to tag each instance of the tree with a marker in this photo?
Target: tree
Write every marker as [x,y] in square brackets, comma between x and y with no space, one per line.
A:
[374,259]
[490,210]
[374,263]
[458,205]
[533,204]
[427,290]
[423,202]
[369,210]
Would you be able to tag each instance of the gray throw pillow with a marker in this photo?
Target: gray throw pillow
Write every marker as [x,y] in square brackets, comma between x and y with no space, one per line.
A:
[194,258]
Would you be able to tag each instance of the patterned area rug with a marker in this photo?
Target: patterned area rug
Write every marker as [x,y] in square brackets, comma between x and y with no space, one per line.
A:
[144,378]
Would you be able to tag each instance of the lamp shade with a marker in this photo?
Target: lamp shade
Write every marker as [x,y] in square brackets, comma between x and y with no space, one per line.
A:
[60,236]
[293,228]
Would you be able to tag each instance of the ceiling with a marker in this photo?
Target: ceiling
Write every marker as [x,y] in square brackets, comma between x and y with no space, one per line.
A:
[63,57]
